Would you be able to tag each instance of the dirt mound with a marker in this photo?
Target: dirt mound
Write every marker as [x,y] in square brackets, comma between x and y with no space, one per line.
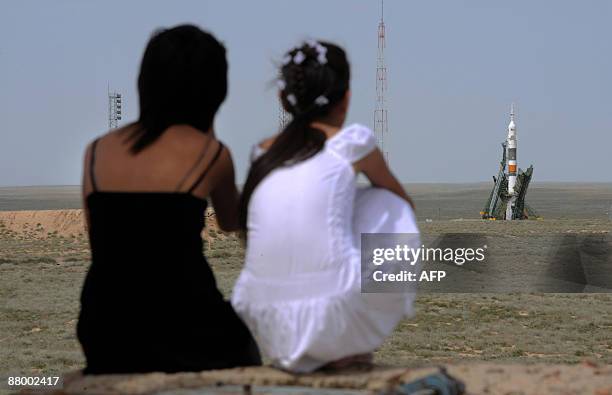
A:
[69,223]
[43,223]
[489,378]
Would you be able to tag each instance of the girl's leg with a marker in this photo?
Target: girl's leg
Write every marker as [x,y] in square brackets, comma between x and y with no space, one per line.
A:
[378,210]
[381,211]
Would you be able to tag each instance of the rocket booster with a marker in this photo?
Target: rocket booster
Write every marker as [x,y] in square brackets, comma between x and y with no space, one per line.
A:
[511,152]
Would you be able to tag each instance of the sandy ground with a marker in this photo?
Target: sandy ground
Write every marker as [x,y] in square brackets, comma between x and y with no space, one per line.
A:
[44,223]
[70,223]
[44,256]
[482,378]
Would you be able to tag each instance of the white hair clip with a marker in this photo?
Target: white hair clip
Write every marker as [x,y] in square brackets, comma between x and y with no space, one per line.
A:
[286,60]
[312,43]
[299,57]
[321,101]
[291,99]
[321,53]
[281,84]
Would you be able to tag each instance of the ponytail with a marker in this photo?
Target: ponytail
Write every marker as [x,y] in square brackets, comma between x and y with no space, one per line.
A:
[296,143]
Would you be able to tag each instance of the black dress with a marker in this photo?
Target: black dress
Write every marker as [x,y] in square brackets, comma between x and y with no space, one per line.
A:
[150,300]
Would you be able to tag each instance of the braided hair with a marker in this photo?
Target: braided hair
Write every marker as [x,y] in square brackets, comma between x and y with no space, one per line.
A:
[313,79]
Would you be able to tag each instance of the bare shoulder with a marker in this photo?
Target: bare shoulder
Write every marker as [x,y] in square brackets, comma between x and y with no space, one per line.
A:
[225,154]
[98,139]
[267,142]
[119,134]
[220,157]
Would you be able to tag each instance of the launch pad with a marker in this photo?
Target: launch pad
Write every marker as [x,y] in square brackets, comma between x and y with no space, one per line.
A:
[507,198]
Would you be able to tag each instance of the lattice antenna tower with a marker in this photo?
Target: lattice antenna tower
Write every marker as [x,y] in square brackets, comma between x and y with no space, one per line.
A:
[381,130]
[114,108]
[283,116]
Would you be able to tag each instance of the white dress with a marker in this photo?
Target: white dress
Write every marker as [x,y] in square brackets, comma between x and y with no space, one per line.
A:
[299,291]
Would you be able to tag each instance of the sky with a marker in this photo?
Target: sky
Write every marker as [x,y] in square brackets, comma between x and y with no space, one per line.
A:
[454,68]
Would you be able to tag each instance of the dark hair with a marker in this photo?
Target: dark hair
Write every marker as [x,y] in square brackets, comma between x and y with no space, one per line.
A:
[183,80]
[313,78]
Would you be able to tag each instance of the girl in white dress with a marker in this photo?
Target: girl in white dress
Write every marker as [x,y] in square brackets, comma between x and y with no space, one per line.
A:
[299,291]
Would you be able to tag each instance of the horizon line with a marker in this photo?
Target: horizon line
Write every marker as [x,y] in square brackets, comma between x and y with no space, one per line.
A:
[360,183]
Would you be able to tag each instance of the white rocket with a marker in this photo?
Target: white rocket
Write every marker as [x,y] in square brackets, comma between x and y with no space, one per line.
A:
[512,169]
[511,152]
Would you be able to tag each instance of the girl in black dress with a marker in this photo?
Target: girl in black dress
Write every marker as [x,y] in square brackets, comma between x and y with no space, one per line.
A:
[150,301]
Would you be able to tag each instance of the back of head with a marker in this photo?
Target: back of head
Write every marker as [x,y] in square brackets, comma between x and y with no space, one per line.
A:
[314,79]
[183,80]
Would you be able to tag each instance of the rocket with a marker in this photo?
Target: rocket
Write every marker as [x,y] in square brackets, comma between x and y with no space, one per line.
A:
[511,152]
[507,199]
[512,168]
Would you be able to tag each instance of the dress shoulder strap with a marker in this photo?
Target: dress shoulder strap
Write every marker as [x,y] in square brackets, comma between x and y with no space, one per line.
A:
[194,167]
[208,167]
[92,164]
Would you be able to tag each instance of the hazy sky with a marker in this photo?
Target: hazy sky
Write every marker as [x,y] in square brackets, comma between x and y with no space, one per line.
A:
[454,68]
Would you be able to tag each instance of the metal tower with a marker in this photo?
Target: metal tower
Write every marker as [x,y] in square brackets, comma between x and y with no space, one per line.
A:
[380,113]
[114,109]
[283,116]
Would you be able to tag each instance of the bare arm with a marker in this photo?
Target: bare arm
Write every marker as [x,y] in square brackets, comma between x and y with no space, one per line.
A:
[224,194]
[376,170]
[86,186]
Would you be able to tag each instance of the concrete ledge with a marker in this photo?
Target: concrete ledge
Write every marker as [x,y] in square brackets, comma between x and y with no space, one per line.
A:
[482,378]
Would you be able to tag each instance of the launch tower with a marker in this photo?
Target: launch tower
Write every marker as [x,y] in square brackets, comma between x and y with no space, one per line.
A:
[507,199]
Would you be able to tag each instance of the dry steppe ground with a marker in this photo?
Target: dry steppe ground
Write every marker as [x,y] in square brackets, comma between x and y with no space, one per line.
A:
[43,261]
